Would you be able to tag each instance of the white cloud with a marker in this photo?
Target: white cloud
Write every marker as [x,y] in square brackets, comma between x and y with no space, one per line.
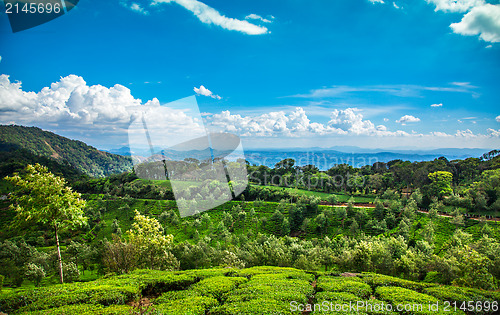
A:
[407,119]
[401,90]
[349,120]
[465,133]
[437,105]
[481,20]
[455,5]
[74,106]
[498,118]
[296,124]
[440,134]
[270,124]
[137,8]
[209,15]
[396,6]
[257,17]
[206,92]
[0,58]
[494,133]
[376,1]
[386,119]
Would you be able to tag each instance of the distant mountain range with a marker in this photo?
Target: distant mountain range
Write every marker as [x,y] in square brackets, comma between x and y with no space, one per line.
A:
[23,145]
[324,158]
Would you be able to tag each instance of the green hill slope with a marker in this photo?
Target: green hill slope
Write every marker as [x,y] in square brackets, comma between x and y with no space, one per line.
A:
[82,157]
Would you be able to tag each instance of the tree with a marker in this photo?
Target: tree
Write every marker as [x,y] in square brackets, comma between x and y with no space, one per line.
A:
[153,246]
[332,199]
[441,183]
[379,210]
[42,197]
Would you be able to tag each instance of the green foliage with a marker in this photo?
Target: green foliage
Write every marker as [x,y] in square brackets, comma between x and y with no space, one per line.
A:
[343,284]
[42,197]
[153,246]
[441,183]
[400,296]
[75,153]
[193,305]
[35,273]
[460,294]
[84,309]
[217,286]
[377,280]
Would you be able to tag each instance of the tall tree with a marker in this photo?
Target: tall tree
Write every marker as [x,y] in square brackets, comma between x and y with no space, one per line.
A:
[42,197]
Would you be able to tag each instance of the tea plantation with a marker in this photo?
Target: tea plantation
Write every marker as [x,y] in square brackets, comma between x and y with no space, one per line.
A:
[257,290]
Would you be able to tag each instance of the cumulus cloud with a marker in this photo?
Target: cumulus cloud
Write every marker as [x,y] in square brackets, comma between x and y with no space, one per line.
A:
[465,133]
[270,124]
[407,119]
[455,5]
[73,105]
[440,134]
[481,20]
[437,105]
[494,133]
[396,6]
[206,92]
[296,124]
[209,15]
[137,8]
[376,1]
[257,17]
[498,118]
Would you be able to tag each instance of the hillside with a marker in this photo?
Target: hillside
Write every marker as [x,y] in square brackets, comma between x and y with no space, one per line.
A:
[79,155]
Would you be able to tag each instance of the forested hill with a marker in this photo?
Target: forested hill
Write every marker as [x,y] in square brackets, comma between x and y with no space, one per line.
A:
[81,156]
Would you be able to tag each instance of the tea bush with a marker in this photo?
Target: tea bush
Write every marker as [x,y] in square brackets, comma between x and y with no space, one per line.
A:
[376,280]
[217,286]
[417,303]
[192,305]
[342,284]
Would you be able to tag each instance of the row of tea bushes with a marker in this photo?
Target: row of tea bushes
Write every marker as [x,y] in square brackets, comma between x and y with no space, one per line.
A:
[270,290]
[257,290]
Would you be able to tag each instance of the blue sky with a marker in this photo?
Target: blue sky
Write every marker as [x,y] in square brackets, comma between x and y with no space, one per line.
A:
[278,73]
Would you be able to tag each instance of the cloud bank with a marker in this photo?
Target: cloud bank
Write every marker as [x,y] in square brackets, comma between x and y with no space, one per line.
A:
[95,113]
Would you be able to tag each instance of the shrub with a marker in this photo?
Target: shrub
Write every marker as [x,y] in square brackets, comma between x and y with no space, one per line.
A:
[376,280]
[195,305]
[84,309]
[418,303]
[460,295]
[217,286]
[71,272]
[342,284]
[257,306]
[35,273]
